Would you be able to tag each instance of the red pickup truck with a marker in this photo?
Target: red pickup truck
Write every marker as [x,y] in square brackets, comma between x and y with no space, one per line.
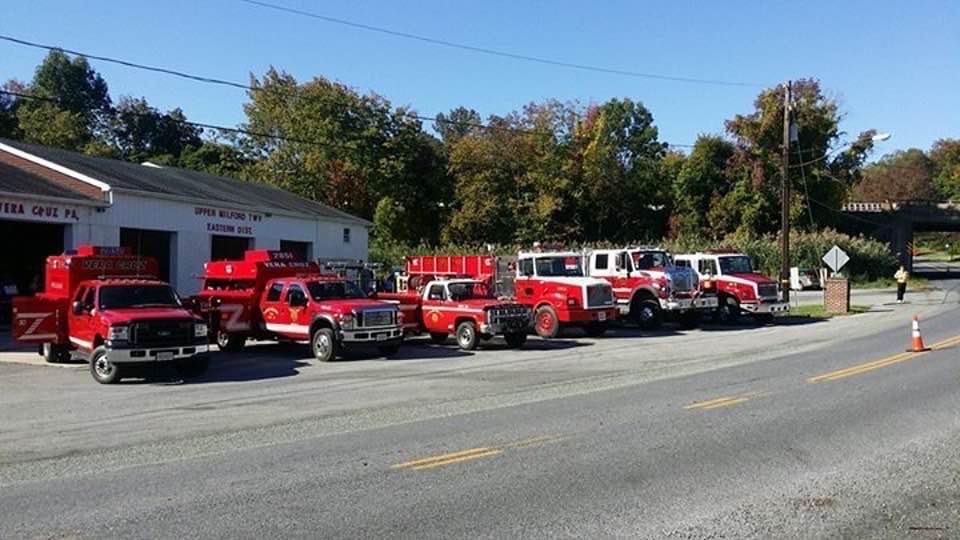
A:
[271,295]
[108,306]
[464,307]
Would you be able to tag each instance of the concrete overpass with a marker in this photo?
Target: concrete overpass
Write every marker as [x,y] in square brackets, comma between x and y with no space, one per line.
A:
[896,222]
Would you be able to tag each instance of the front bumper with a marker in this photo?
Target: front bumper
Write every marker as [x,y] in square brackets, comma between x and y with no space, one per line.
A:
[384,334]
[505,327]
[765,308]
[134,355]
[588,315]
[686,304]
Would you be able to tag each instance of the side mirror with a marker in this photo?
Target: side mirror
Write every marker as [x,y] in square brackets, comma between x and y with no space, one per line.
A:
[77,307]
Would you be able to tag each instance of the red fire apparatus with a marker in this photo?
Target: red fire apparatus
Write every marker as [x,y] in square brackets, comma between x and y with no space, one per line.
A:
[649,287]
[109,306]
[438,296]
[271,295]
[740,289]
[551,284]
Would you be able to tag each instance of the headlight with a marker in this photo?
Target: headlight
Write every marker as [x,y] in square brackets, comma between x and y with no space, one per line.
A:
[347,321]
[118,333]
[200,330]
[399,317]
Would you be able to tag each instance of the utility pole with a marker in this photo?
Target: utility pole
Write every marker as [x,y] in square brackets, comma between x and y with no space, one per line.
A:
[785,199]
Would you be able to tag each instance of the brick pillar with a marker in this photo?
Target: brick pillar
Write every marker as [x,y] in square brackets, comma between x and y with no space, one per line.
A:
[836,295]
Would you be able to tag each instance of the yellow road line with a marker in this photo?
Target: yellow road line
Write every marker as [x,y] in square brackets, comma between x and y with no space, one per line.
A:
[725,404]
[720,402]
[536,441]
[468,454]
[488,453]
[881,363]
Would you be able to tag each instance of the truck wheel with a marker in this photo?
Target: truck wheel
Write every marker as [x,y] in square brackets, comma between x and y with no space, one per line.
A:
[231,342]
[193,367]
[728,311]
[515,340]
[596,329]
[324,345]
[547,324]
[467,337]
[103,370]
[55,354]
[647,314]
[690,319]
[438,337]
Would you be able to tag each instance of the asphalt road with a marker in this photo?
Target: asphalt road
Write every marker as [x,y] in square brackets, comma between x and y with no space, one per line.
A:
[797,430]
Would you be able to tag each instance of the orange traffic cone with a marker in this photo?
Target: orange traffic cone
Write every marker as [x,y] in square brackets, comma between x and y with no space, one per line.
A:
[916,342]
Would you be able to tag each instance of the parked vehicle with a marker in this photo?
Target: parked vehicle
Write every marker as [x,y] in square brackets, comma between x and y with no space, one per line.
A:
[649,287]
[465,307]
[551,284]
[271,295]
[740,289]
[109,307]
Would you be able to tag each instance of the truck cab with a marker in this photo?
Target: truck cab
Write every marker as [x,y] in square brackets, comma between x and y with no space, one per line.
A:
[466,308]
[554,285]
[649,287]
[109,307]
[740,288]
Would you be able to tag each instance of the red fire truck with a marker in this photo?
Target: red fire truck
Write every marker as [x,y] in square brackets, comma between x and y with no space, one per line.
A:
[740,289]
[649,287]
[271,295]
[109,306]
[437,296]
[551,284]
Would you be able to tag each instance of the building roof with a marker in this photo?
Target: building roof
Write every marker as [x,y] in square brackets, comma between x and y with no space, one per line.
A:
[18,180]
[172,181]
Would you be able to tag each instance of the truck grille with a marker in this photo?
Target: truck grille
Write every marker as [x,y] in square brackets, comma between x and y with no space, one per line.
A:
[767,290]
[510,318]
[683,280]
[161,333]
[599,296]
[382,317]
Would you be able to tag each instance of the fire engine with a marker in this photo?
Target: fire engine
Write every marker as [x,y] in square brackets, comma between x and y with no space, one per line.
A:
[648,286]
[740,289]
[272,295]
[109,306]
[437,296]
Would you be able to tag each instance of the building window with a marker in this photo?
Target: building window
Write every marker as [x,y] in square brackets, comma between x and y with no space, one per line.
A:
[346,235]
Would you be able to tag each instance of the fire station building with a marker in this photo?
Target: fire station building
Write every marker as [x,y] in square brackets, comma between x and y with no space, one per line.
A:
[53,200]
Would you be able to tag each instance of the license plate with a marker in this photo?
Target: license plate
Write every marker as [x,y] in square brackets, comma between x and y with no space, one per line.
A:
[382,337]
[602,316]
[164,356]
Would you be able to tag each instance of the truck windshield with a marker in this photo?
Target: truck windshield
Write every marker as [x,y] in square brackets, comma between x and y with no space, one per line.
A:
[561,266]
[137,296]
[467,291]
[739,264]
[330,290]
[645,260]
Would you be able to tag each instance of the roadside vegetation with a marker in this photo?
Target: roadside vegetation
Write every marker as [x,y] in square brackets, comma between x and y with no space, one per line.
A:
[551,172]
[817,311]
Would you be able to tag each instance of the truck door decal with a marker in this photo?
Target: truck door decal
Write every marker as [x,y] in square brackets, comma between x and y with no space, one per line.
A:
[29,333]
[232,321]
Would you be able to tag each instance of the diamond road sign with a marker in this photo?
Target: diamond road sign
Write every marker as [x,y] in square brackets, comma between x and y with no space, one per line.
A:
[836,258]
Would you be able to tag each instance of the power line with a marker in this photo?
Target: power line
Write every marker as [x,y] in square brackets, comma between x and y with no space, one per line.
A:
[496,52]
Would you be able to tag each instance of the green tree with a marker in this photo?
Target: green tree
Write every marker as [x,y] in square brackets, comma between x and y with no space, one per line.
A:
[141,132]
[343,148]
[8,110]
[945,155]
[905,175]
[80,108]
[215,158]
[702,178]
[456,124]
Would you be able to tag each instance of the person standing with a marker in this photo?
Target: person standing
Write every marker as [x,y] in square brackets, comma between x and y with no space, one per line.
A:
[901,276]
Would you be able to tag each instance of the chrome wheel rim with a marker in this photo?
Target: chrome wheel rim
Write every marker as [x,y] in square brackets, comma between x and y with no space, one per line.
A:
[646,314]
[222,339]
[103,367]
[465,336]
[321,345]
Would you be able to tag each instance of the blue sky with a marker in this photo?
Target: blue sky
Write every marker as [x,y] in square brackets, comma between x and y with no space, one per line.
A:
[893,65]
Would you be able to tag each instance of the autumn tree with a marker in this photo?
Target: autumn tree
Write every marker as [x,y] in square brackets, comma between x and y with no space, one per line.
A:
[905,175]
